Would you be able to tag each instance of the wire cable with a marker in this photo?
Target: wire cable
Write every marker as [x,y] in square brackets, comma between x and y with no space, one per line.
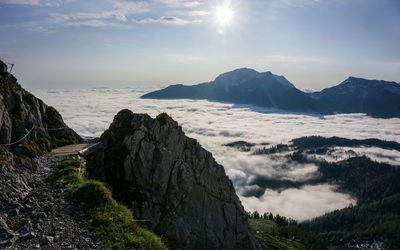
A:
[33,126]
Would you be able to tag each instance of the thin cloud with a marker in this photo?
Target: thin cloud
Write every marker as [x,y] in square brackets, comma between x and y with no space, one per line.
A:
[192,4]
[179,3]
[92,23]
[45,3]
[198,13]
[165,20]
[22,2]
[121,9]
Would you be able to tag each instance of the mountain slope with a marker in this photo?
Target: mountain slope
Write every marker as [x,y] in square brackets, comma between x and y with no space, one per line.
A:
[247,86]
[34,211]
[28,128]
[22,114]
[243,86]
[358,95]
[171,182]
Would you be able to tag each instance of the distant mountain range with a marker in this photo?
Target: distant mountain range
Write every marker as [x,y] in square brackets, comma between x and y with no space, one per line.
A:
[247,86]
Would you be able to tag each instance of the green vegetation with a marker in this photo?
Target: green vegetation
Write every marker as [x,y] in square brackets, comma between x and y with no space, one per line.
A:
[279,148]
[241,145]
[164,118]
[375,221]
[303,143]
[375,217]
[112,223]
[377,213]
[365,179]
[5,86]
[279,232]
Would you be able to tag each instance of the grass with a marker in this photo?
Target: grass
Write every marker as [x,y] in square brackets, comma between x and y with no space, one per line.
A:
[263,230]
[288,236]
[164,118]
[111,223]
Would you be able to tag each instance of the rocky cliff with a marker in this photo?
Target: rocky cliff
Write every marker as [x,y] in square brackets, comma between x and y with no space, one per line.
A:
[28,128]
[171,182]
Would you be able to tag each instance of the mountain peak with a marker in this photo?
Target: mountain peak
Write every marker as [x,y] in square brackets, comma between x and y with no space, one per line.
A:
[363,81]
[281,79]
[237,76]
[242,75]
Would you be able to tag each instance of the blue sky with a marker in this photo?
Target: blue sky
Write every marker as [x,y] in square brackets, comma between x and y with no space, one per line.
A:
[114,43]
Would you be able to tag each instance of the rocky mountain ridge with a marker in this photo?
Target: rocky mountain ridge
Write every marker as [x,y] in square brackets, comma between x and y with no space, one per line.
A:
[173,183]
[247,86]
[34,211]
[357,95]
[28,128]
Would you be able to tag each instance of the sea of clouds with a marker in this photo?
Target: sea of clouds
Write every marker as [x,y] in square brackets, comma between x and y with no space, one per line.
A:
[90,112]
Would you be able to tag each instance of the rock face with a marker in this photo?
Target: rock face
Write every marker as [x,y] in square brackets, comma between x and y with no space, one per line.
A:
[20,112]
[23,116]
[173,183]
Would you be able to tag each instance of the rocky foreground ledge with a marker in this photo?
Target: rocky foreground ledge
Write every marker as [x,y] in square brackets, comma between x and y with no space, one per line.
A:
[171,183]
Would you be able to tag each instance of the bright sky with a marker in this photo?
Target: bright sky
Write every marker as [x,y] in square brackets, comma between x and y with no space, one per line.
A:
[116,43]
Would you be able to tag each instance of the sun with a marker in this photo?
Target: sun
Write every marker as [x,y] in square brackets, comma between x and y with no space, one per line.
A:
[224,15]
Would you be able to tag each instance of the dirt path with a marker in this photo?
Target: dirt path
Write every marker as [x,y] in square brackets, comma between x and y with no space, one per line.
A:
[45,217]
[69,149]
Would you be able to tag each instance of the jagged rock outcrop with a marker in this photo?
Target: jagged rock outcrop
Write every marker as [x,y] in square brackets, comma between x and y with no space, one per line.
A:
[20,111]
[23,116]
[173,183]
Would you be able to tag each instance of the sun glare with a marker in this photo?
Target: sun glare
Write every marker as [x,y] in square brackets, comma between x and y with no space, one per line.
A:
[224,15]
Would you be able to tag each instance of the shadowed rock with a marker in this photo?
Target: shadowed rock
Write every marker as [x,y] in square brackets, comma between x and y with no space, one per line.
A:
[169,180]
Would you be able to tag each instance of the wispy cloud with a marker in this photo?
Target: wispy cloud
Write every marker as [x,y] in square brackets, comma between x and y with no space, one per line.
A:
[299,3]
[198,13]
[121,9]
[92,23]
[183,3]
[46,3]
[22,2]
[192,4]
[165,20]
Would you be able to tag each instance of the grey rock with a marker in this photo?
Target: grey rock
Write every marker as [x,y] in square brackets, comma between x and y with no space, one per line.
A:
[46,240]
[5,244]
[172,182]
[26,237]
[32,198]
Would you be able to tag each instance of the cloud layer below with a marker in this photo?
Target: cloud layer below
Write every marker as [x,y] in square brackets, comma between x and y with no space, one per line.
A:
[91,111]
